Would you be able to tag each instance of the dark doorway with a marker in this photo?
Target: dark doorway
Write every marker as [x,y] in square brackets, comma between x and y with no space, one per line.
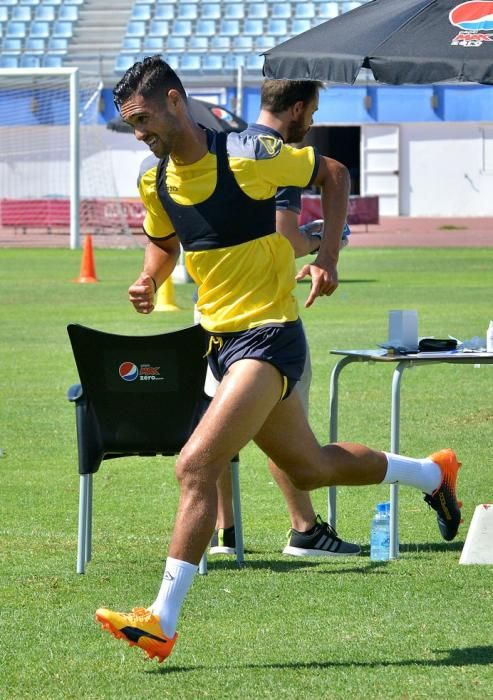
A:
[341,143]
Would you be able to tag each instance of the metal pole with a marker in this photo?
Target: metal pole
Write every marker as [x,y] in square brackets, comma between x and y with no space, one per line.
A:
[74,160]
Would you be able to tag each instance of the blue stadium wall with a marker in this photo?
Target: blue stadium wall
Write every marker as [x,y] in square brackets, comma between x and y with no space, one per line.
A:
[370,105]
[338,105]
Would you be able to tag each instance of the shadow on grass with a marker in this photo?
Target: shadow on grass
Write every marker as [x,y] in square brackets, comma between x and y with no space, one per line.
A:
[358,564]
[466,656]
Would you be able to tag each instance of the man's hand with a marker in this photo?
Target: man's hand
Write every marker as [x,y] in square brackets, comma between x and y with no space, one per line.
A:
[324,280]
[141,294]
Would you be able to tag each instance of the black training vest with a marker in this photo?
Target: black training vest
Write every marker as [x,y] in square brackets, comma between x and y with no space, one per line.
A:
[228,217]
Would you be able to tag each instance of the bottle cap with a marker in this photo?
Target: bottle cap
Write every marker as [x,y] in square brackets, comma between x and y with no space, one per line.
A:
[383,507]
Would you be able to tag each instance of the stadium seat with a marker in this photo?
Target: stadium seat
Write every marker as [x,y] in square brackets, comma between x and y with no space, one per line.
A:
[242,43]
[45,13]
[233,11]
[21,13]
[254,63]
[205,27]
[210,11]
[32,3]
[52,2]
[12,46]
[164,12]
[40,30]
[198,43]
[29,60]
[277,27]
[140,12]
[299,25]
[52,60]
[68,13]
[173,59]
[158,27]
[212,63]
[176,43]
[136,28]
[9,61]
[131,44]
[280,10]
[328,10]
[190,62]
[75,2]
[57,45]
[35,45]
[264,42]
[304,10]
[253,27]
[182,27]
[186,11]
[233,61]
[229,27]
[258,10]
[118,417]
[15,30]
[123,62]
[9,3]
[62,29]
[4,14]
[153,43]
[220,43]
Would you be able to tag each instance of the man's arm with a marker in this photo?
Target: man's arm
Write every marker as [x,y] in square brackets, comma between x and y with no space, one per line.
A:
[303,243]
[333,178]
[160,258]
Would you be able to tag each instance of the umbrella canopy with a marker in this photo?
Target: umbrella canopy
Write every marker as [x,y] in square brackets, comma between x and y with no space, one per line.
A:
[400,41]
[205,113]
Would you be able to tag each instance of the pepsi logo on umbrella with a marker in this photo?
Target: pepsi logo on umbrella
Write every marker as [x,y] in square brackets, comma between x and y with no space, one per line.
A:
[475,18]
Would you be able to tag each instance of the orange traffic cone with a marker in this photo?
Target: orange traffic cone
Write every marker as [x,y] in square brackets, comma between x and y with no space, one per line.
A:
[165,297]
[87,269]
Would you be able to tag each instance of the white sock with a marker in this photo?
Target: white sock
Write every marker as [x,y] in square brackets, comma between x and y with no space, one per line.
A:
[177,579]
[423,474]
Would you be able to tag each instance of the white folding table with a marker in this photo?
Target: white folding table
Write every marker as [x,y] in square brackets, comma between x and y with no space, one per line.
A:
[401,362]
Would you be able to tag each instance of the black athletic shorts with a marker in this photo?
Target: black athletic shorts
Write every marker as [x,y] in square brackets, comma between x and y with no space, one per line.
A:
[283,346]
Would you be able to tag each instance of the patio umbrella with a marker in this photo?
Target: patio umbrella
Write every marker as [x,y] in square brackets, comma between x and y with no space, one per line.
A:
[399,41]
[205,113]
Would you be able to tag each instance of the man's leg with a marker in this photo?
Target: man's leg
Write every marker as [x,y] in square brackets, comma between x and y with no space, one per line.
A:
[309,535]
[247,406]
[244,399]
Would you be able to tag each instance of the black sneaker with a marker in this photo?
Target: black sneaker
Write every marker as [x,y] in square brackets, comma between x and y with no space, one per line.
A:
[223,541]
[444,500]
[320,541]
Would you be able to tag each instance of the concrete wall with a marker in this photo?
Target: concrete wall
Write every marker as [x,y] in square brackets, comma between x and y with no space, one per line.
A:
[446,169]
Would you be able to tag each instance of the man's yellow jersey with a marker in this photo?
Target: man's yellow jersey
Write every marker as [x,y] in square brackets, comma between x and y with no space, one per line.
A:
[223,210]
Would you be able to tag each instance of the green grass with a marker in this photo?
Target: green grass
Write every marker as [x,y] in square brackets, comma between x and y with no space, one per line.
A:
[416,628]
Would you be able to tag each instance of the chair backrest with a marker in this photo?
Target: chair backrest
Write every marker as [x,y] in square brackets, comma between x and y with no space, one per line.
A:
[141,395]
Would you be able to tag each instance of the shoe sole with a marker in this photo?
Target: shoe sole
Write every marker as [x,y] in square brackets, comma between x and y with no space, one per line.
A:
[222,550]
[152,648]
[299,552]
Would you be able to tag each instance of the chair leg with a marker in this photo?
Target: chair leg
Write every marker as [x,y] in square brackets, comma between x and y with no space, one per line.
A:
[235,481]
[84,489]
[89,521]
[203,564]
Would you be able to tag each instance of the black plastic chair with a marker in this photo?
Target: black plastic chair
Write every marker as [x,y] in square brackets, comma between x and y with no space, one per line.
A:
[138,395]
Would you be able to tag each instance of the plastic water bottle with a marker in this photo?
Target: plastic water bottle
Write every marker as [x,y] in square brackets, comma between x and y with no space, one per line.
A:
[380,533]
[489,338]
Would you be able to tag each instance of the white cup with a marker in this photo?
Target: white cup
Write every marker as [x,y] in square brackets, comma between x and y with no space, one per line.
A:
[403,329]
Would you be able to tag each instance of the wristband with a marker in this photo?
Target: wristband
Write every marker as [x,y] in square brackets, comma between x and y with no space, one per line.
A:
[154,283]
[316,235]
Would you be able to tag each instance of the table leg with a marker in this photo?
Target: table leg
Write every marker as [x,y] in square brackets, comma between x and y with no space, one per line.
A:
[395,424]
[333,428]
